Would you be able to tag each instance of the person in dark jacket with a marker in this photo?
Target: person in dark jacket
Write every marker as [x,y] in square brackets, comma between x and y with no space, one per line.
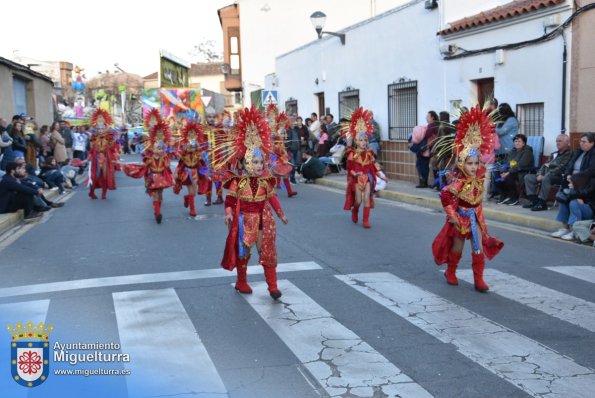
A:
[312,168]
[14,195]
[519,162]
[292,144]
[583,159]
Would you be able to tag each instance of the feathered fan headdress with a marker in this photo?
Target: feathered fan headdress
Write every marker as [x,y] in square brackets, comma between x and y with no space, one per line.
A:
[159,136]
[192,132]
[152,118]
[359,122]
[101,119]
[281,123]
[474,137]
[252,138]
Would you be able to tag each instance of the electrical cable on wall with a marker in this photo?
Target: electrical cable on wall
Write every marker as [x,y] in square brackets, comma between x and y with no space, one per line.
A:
[513,46]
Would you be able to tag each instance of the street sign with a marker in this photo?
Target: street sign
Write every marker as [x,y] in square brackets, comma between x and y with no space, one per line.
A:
[269,97]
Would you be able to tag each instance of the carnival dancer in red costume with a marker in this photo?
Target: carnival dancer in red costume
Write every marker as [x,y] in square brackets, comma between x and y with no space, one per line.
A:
[361,166]
[156,165]
[281,165]
[462,201]
[191,170]
[248,203]
[103,155]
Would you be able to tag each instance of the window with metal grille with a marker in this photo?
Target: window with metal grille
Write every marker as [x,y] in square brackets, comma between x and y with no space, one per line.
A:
[291,107]
[402,109]
[530,118]
[348,102]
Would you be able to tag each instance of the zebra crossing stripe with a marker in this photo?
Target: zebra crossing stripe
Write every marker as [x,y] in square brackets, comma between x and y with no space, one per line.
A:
[144,278]
[167,357]
[527,364]
[583,272]
[559,305]
[340,360]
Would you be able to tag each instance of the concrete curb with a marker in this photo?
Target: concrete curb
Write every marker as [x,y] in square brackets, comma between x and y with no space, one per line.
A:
[434,203]
[11,220]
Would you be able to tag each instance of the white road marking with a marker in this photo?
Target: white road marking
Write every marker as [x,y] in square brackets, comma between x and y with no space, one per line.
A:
[584,272]
[523,362]
[167,357]
[145,278]
[339,359]
[552,302]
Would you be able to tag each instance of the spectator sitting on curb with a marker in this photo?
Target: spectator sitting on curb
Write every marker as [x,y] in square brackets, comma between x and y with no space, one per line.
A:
[549,174]
[577,202]
[51,174]
[15,195]
[381,180]
[30,179]
[312,168]
[519,162]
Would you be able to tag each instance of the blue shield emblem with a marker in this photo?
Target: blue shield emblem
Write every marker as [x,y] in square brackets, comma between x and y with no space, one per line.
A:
[30,362]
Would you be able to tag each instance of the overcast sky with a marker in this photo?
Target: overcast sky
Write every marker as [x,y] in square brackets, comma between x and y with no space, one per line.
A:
[97,34]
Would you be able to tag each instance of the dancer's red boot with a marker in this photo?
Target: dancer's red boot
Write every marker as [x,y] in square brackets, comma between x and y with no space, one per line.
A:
[270,274]
[191,204]
[104,193]
[478,265]
[92,194]
[450,273]
[157,210]
[242,285]
[354,213]
[290,192]
[366,217]
[186,200]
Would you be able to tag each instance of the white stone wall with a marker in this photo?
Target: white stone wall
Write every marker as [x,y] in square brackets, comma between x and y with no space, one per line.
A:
[404,44]
[286,25]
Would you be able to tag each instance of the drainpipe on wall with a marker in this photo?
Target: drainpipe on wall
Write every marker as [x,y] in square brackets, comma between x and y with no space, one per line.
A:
[564,62]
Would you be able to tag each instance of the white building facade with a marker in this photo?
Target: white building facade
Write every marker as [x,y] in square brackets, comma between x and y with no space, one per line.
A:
[397,65]
[269,28]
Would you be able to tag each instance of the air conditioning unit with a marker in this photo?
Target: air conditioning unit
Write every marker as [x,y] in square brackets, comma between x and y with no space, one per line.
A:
[551,21]
[431,4]
[448,49]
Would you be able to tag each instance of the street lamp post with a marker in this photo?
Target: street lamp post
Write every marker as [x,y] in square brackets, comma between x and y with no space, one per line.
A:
[318,19]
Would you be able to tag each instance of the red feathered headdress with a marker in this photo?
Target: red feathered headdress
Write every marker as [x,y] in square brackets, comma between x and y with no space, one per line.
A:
[160,133]
[188,130]
[101,118]
[360,121]
[475,135]
[253,133]
[152,118]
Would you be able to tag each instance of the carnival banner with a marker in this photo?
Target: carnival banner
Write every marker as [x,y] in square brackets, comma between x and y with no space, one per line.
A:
[179,103]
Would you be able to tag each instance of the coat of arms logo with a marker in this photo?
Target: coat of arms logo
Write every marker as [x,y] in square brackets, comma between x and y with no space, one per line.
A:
[29,353]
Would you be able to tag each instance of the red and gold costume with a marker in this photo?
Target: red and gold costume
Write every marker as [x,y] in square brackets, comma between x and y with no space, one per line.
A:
[249,201]
[103,156]
[279,124]
[191,170]
[462,201]
[361,166]
[156,165]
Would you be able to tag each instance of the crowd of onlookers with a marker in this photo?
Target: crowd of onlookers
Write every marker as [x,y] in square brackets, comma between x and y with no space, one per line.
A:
[52,156]
[34,158]
[567,178]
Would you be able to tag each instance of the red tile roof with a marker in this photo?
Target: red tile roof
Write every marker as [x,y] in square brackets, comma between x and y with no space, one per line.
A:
[506,11]
[152,76]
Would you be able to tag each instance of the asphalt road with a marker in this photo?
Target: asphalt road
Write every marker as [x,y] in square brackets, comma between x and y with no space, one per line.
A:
[363,312]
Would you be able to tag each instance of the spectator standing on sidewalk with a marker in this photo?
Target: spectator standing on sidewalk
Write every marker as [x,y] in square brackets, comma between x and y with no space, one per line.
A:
[506,128]
[66,134]
[374,142]
[538,186]
[58,144]
[314,131]
[6,145]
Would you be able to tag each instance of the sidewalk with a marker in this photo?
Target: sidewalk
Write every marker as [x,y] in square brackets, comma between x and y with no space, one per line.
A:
[10,220]
[405,191]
